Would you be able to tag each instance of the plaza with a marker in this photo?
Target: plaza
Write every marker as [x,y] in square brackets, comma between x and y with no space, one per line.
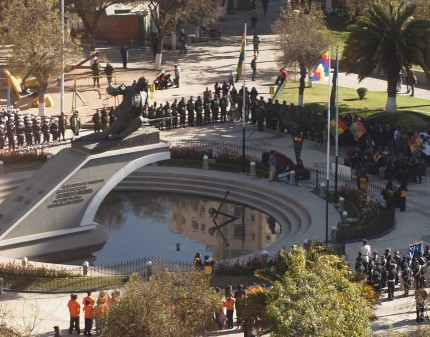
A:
[201,67]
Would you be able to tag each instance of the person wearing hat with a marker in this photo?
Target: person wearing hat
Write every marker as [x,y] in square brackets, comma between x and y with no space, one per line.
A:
[391,280]
[360,263]
[20,133]
[177,75]
[2,136]
[406,275]
[96,73]
[190,110]
[37,130]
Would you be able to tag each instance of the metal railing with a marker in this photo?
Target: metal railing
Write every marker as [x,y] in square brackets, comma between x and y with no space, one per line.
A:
[78,278]
[319,176]
[216,149]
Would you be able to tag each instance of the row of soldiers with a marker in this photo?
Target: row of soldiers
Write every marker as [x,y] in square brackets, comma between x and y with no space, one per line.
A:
[389,270]
[208,109]
[18,130]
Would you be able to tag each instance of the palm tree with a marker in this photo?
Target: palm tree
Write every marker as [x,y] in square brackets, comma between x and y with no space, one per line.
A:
[387,39]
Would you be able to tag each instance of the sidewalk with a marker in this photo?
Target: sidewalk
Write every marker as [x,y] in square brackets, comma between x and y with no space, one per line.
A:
[201,67]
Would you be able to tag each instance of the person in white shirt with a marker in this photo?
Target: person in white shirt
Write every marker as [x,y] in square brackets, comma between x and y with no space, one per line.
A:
[366,251]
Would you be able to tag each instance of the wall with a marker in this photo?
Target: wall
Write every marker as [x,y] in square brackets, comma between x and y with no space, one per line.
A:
[121,29]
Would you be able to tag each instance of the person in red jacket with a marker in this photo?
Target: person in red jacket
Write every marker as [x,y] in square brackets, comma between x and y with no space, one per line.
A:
[74,309]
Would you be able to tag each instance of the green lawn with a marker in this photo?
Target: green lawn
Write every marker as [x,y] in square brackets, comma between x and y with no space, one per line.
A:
[316,99]
[338,32]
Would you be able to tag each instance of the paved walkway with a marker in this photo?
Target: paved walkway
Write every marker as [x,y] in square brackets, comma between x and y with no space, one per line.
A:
[202,66]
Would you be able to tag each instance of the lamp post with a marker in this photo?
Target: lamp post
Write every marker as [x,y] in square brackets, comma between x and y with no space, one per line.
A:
[62,58]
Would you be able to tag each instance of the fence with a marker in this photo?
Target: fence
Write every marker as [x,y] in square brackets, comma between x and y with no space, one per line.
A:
[319,176]
[78,278]
[214,148]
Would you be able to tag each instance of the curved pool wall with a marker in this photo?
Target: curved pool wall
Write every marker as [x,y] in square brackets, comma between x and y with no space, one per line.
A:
[300,213]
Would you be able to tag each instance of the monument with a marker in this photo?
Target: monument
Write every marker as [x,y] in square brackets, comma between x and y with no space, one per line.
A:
[52,212]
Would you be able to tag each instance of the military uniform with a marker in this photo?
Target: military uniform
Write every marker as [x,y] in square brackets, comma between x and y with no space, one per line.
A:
[207,111]
[37,131]
[75,123]
[215,109]
[223,102]
[104,120]
[190,110]
[11,131]
[54,129]
[62,125]
[391,280]
[20,134]
[182,112]
[97,121]
[174,108]
[198,106]
[168,116]
[29,133]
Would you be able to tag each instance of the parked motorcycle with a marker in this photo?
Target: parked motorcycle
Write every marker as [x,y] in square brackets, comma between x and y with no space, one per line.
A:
[163,81]
[212,32]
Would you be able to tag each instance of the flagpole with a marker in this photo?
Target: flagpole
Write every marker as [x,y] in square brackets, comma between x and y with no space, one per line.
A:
[328,151]
[244,102]
[62,58]
[337,128]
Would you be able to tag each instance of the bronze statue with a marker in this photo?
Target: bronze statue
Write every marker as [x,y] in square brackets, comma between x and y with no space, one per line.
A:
[128,112]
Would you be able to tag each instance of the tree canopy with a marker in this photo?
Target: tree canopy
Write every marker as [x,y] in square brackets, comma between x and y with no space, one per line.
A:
[32,29]
[314,294]
[303,39]
[169,304]
[385,40]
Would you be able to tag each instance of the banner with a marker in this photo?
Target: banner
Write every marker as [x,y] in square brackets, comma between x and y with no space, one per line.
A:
[357,129]
[241,58]
[342,126]
[415,144]
[322,70]
[414,249]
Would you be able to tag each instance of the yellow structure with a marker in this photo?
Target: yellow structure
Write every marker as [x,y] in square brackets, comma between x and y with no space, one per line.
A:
[25,101]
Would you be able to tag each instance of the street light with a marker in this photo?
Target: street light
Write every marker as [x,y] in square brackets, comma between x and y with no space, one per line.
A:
[62,58]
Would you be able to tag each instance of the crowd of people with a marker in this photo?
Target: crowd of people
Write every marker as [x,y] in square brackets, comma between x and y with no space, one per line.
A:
[91,310]
[19,130]
[389,270]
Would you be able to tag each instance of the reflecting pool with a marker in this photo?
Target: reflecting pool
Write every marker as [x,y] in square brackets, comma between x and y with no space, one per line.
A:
[176,226]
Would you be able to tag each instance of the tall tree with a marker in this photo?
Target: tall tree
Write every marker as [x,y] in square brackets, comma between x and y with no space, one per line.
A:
[164,14]
[303,39]
[385,40]
[33,29]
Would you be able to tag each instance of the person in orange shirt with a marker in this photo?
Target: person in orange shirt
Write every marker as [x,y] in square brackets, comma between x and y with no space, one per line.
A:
[90,298]
[229,304]
[88,315]
[100,310]
[74,309]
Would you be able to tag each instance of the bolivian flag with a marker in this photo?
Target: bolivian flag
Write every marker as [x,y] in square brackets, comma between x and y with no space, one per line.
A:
[241,58]
[415,144]
[342,127]
[357,129]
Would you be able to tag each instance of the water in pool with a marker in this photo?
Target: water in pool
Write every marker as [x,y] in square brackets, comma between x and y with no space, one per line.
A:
[176,226]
